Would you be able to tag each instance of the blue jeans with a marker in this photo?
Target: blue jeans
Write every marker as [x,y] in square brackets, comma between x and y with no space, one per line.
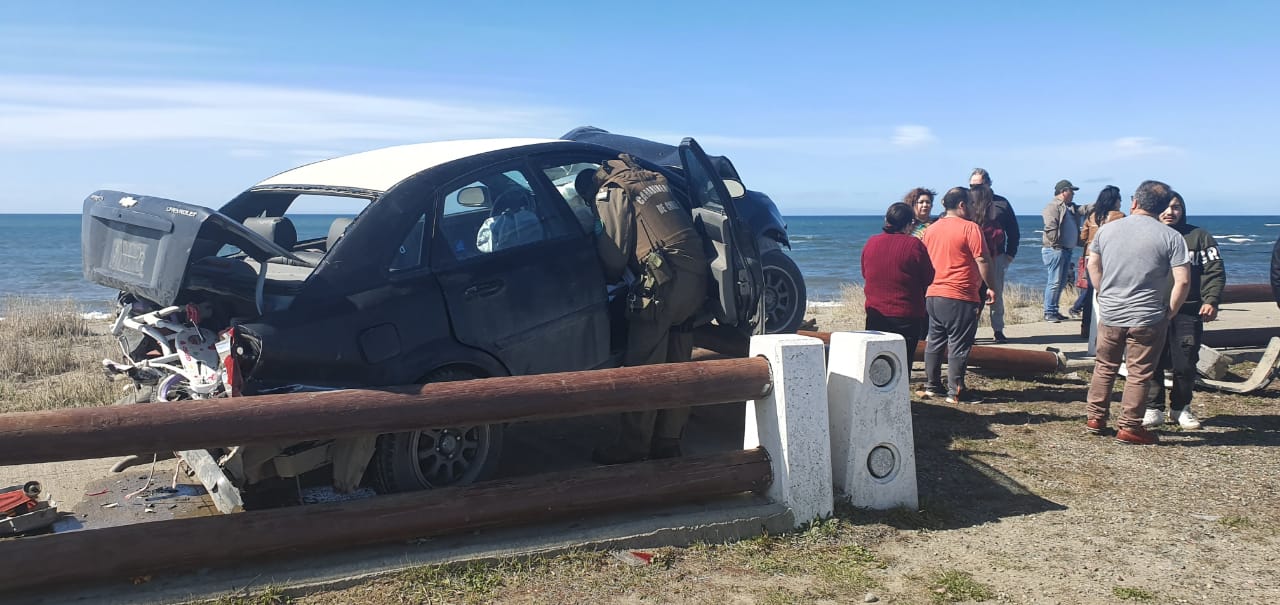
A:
[1056,263]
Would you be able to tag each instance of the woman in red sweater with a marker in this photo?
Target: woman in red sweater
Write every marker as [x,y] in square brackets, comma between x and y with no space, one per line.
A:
[896,271]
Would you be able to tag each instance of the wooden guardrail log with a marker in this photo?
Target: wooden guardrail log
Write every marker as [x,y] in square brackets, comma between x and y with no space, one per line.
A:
[994,358]
[1239,337]
[81,433]
[128,551]
[1247,293]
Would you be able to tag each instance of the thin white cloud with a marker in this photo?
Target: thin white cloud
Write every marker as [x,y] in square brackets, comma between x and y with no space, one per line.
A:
[44,112]
[72,41]
[901,138]
[1122,148]
[1132,147]
[913,136]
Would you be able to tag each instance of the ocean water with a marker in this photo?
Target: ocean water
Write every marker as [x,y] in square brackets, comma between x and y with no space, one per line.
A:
[40,253]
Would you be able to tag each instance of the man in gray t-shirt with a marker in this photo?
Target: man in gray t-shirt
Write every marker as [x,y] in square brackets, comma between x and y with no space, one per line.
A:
[1134,261]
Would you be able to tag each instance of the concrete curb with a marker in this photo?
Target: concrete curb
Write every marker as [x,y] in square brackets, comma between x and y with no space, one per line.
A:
[714,522]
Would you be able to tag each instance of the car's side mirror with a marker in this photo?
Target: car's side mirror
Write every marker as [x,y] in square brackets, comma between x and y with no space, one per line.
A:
[474,197]
[736,189]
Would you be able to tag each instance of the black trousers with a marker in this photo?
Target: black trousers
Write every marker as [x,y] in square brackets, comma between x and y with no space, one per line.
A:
[909,327]
[1181,354]
[952,326]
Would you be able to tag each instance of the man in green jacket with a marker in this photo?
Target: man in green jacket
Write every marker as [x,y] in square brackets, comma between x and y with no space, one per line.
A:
[1182,347]
[1062,220]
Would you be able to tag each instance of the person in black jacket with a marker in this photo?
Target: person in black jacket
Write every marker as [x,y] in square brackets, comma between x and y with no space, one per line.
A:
[1008,221]
[1182,347]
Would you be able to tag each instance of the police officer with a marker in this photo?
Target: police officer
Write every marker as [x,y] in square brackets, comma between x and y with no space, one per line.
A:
[647,231]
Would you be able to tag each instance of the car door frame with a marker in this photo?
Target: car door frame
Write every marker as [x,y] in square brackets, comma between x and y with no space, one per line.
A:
[737,274]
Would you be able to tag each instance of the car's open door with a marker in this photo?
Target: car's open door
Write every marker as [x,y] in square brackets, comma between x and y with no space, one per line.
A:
[731,249]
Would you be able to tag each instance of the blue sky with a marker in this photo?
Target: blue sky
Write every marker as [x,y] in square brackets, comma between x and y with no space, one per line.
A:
[831,108]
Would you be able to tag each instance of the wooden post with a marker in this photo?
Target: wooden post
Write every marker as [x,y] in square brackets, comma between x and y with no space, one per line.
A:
[1239,337]
[993,358]
[81,433]
[123,552]
[1246,293]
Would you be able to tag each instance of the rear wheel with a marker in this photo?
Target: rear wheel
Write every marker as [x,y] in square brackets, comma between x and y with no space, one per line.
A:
[436,457]
[784,293]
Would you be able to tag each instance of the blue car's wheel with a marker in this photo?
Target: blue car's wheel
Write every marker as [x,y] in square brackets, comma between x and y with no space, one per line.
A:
[784,293]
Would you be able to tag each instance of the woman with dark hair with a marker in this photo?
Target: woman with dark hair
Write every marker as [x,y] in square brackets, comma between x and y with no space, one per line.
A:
[920,200]
[1105,210]
[896,271]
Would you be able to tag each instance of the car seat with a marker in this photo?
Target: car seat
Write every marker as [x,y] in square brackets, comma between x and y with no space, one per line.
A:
[278,229]
[337,229]
[512,222]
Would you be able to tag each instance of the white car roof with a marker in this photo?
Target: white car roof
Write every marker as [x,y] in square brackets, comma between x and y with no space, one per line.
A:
[380,169]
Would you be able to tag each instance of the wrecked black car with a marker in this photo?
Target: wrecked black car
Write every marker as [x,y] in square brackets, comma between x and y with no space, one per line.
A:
[382,268]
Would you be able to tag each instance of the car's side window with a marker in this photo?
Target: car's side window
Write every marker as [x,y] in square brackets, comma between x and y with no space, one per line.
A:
[496,212]
[409,255]
[566,177]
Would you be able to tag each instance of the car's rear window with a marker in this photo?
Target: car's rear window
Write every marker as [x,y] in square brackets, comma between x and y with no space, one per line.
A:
[313,215]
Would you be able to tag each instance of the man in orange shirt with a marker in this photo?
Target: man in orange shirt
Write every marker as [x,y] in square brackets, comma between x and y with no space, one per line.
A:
[961,264]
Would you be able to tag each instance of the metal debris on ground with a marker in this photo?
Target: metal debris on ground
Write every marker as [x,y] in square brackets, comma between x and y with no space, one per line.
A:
[634,558]
[21,510]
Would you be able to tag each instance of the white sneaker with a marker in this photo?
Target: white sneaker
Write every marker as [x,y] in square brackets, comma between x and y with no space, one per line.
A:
[1152,418]
[1186,419]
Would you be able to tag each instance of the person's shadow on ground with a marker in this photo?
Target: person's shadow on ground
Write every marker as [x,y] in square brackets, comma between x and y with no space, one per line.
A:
[957,489]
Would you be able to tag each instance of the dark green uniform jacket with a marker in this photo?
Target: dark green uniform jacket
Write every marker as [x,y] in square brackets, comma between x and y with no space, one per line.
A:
[1208,273]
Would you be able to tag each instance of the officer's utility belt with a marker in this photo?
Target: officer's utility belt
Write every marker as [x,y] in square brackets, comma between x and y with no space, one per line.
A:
[655,271]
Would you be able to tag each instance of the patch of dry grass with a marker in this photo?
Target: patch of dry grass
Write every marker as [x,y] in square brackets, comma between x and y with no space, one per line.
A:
[43,318]
[1022,304]
[50,357]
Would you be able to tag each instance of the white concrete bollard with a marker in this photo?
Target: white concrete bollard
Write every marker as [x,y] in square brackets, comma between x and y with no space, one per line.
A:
[873,454]
[792,425]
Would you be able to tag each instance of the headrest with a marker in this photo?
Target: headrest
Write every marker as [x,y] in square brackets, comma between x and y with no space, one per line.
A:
[337,229]
[585,185]
[278,229]
[511,200]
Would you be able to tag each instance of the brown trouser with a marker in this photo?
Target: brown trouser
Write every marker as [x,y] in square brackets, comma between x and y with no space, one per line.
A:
[1139,348]
[652,339]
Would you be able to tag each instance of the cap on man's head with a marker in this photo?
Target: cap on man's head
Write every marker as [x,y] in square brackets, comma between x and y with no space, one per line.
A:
[1064,185]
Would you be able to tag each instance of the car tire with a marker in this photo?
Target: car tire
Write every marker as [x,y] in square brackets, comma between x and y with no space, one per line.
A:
[784,293]
[437,457]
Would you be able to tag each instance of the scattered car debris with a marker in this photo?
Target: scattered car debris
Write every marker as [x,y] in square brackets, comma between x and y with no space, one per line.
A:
[1262,375]
[634,558]
[21,510]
